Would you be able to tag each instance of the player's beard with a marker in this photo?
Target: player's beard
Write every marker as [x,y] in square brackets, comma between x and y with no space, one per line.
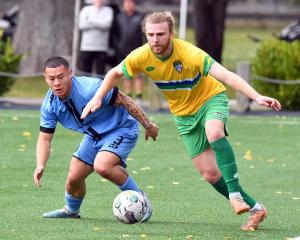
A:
[165,48]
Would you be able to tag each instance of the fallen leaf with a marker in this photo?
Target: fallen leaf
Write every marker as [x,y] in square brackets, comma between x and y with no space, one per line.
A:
[145,168]
[248,155]
[26,134]
[270,160]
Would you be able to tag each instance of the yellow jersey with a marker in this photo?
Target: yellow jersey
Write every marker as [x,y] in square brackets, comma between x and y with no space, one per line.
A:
[182,77]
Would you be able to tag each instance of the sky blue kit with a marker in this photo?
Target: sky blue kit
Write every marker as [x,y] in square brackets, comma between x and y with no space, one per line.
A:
[111,128]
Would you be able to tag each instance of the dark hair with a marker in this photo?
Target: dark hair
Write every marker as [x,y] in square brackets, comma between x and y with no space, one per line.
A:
[56,61]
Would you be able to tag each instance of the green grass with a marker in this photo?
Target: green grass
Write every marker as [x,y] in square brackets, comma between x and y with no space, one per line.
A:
[190,208]
[28,88]
[239,47]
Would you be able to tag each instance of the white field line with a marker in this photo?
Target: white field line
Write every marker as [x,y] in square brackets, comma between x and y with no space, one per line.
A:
[244,120]
[20,114]
[271,122]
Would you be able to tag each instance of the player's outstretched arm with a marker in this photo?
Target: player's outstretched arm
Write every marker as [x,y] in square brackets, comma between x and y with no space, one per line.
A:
[43,148]
[110,80]
[239,84]
[269,102]
[151,130]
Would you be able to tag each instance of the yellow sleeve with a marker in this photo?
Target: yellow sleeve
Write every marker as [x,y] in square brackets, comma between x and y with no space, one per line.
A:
[125,71]
[130,65]
[208,61]
[205,61]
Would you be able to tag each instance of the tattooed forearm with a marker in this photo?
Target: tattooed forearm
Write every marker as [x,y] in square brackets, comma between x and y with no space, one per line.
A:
[133,108]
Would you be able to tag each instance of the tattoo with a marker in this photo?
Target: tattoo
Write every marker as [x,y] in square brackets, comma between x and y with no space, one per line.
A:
[133,108]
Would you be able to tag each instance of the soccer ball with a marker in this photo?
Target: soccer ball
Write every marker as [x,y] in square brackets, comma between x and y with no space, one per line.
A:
[129,206]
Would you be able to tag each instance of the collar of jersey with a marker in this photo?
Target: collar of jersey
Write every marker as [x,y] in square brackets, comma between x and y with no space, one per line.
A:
[66,99]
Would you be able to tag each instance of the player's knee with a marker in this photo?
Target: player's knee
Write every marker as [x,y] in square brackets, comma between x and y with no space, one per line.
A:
[214,135]
[211,176]
[72,182]
[103,171]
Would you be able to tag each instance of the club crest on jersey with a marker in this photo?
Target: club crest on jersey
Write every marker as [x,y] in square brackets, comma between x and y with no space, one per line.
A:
[178,66]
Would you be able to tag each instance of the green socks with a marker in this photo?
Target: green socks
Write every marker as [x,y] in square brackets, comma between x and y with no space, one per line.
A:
[221,187]
[226,162]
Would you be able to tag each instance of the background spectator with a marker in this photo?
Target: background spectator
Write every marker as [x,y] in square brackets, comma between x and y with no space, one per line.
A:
[95,22]
[209,18]
[130,37]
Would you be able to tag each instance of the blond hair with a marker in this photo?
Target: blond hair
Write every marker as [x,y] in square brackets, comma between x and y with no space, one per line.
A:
[160,17]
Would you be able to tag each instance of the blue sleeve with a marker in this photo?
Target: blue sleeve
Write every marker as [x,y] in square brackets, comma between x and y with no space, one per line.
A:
[48,120]
[87,87]
[111,96]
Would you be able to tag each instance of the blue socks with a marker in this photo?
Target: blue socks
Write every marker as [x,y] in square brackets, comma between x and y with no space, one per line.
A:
[73,204]
[129,185]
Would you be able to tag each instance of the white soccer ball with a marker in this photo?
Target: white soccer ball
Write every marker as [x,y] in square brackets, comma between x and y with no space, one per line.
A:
[129,206]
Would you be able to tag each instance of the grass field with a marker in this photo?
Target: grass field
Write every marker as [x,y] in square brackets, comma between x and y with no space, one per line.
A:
[185,207]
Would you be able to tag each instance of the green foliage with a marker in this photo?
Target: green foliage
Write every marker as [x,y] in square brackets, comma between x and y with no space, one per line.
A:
[278,59]
[9,62]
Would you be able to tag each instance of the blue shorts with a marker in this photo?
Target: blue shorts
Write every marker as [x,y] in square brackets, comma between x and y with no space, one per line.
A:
[120,142]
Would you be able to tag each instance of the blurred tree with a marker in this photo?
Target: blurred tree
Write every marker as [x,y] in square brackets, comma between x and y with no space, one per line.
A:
[44,28]
[209,23]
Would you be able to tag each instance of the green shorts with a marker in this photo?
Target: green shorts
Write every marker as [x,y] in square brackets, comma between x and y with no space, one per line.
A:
[192,127]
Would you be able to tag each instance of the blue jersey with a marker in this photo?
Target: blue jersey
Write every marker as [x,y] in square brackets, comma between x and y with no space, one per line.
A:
[67,112]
